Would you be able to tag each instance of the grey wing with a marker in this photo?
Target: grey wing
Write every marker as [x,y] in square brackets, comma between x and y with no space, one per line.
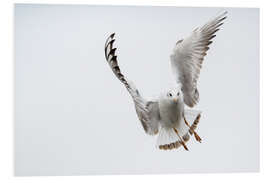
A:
[146,110]
[188,55]
[154,116]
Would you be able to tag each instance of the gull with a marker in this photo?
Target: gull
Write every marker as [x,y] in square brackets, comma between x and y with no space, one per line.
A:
[167,116]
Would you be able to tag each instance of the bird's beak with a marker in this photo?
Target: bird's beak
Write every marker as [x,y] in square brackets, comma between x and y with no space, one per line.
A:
[175,100]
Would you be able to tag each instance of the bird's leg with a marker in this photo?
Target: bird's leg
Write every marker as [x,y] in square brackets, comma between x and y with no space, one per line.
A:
[193,127]
[181,139]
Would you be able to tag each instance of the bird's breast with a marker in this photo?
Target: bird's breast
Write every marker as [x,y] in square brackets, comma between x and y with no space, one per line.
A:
[170,113]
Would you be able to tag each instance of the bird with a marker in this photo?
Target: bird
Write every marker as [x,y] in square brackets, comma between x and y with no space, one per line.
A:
[168,115]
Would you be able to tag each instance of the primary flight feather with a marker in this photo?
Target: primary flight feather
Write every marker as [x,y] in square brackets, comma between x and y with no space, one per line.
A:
[166,115]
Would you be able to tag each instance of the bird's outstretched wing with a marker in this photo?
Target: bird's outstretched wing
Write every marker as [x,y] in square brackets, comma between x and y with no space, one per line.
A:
[147,111]
[188,55]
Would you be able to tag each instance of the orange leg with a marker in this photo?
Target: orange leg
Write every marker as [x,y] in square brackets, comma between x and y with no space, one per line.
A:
[181,139]
[193,127]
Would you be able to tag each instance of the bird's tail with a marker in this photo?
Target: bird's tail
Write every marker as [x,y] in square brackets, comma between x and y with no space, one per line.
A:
[170,138]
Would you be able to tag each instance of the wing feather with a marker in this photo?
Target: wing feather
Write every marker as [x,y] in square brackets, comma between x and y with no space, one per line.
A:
[147,111]
[188,56]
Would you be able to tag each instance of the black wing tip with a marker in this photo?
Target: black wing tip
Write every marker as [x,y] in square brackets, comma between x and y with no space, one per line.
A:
[111,42]
[109,39]
[112,51]
[224,13]
[222,19]
[111,36]
[221,16]
[114,58]
[109,46]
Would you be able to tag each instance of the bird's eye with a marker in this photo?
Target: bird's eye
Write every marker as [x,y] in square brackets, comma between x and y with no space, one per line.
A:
[169,94]
[178,94]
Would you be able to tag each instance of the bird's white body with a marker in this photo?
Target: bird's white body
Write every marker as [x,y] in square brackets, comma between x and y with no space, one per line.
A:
[171,112]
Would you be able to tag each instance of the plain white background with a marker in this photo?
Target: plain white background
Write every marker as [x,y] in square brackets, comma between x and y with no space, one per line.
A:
[6,104]
[74,118]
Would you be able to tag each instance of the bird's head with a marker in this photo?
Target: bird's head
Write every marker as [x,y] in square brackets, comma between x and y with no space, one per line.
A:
[173,95]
